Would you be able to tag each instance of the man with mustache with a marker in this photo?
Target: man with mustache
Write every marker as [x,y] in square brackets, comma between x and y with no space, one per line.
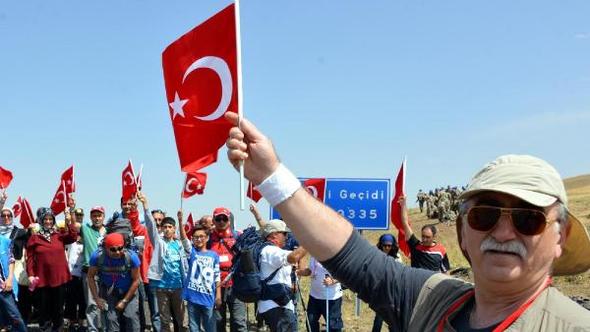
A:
[514,199]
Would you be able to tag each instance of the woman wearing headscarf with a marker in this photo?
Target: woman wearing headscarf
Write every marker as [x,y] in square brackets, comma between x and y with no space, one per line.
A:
[388,245]
[47,267]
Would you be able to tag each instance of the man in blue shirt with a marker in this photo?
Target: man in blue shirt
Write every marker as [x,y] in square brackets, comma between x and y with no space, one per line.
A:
[118,278]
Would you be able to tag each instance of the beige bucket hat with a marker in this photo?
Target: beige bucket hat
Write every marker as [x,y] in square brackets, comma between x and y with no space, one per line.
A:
[535,181]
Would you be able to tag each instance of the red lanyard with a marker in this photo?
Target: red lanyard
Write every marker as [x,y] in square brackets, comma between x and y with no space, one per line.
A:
[506,322]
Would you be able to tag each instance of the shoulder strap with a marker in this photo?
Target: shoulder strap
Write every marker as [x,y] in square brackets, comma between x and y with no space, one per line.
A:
[127,259]
[272,275]
[100,261]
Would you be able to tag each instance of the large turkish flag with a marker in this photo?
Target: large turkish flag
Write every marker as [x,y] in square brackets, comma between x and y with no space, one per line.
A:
[201,85]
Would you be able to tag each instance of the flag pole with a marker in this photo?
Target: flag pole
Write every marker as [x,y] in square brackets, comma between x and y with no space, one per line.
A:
[240,96]
[182,191]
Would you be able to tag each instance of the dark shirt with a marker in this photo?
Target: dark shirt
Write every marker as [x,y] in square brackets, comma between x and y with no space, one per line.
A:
[432,258]
[461,321]
[389,287]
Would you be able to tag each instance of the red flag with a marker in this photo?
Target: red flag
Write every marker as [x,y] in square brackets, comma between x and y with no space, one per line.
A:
[60,202]
[254,194]
[5,178]
[26,218]
[396,211]
[194,184]
[68,178]
[188,227]
[17,208]
[316,187]
[201,85]
[128,182]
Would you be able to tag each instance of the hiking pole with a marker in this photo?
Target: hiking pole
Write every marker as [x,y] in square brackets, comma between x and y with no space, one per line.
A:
[303,305]
[327,308]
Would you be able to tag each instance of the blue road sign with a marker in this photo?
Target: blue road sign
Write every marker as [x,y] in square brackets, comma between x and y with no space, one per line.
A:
[364,202]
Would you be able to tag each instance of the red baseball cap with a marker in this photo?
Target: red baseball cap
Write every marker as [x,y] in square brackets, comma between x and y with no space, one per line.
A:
[97,208]
[221,210]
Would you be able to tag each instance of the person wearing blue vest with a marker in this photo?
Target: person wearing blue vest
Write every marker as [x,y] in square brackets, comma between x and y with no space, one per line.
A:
[9,313]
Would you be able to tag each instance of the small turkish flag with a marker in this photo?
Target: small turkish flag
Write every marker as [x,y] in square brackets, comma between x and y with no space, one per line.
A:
[396,211]
[68,178]
[128,182]
[194,184]
[254,194]
[17,208]
[6,177]
[188,227]
[26,218]
[60,202]
[316,187]
[201,85]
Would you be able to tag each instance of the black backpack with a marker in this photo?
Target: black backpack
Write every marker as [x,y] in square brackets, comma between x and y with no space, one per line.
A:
[122,269]
[248,284]
[121,225]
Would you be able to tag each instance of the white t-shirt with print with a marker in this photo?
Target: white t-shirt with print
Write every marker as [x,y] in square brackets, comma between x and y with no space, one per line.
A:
[318,289]
[271,258]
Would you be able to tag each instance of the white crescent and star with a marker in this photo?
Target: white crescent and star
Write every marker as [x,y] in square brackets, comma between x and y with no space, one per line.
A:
[220,67]
[187,187]
[312,190]
[126,176]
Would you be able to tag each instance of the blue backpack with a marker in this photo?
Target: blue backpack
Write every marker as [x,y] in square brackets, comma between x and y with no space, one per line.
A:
[248,284]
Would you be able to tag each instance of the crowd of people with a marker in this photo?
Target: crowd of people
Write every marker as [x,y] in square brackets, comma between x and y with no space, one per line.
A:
[95,275]
[513,227]
[441,203]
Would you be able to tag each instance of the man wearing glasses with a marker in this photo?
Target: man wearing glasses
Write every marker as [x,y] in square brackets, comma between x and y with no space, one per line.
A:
[513,227]
[118,278]
[221,240]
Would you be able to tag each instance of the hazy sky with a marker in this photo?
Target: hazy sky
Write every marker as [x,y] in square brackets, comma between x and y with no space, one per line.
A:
[344,89]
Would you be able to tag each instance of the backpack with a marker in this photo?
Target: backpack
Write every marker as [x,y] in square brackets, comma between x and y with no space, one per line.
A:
[248,284]
[121,225]
[122,269]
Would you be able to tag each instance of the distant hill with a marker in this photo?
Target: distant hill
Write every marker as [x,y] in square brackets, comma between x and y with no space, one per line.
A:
[577,182]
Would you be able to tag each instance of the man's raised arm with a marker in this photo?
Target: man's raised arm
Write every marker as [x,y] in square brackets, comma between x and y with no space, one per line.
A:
[301,212]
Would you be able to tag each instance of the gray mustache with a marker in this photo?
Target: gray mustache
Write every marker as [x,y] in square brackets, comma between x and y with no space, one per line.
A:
[513,246]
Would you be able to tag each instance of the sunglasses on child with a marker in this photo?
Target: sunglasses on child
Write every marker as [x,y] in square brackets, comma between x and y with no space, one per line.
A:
[116,249]
[525,221]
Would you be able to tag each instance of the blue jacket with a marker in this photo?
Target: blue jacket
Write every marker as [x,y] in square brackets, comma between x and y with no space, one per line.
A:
[156,269]
[6,258]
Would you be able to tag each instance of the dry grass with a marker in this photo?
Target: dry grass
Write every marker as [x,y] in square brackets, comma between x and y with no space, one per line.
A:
[579,196]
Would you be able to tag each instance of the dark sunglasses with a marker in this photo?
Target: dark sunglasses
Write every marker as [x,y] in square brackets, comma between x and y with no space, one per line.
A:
[116,249]
[526,221]
[221,218]
[6,215]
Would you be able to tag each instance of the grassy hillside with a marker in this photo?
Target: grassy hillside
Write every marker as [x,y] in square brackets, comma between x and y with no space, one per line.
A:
[579,195]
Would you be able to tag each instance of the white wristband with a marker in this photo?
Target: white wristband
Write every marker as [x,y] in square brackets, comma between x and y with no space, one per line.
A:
[279,186]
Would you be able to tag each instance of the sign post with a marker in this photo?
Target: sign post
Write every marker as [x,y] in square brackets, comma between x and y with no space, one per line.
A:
[363,202]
